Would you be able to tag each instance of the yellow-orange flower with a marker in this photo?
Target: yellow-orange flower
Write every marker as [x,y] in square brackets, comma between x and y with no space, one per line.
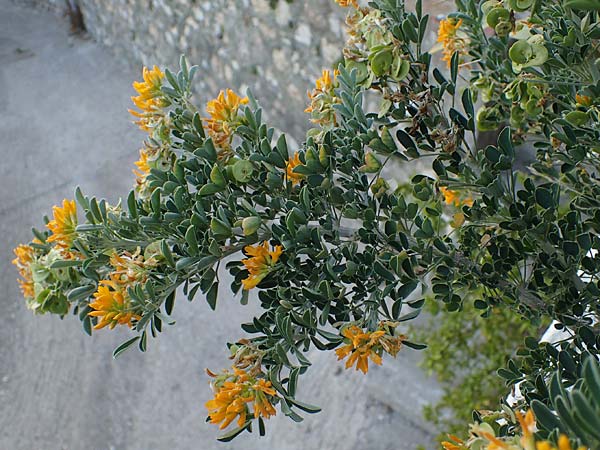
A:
[322,99]
[346,3]
[224,117]
[583,100]
[150,100]
[293,162]
[362,346]
[233,395]
[261,262]
[24,257]
[63,225]
[112,305]
[527,423]
[483,436]
[456,444]
[453,198]
[450,38]
[142,165]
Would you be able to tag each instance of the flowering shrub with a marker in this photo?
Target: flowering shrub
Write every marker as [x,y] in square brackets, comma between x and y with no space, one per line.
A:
[338,253]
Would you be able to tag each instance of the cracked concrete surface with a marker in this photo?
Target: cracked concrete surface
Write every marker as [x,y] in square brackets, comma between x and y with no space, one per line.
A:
[63,103]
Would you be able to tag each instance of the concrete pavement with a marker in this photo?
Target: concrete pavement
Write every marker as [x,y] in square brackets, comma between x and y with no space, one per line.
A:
[63,104]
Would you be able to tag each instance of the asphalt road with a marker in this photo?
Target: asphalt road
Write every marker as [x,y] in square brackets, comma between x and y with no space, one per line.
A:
[64,122]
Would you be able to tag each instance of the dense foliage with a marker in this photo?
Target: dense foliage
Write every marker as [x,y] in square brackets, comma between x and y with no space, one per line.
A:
[339,255]
[464,351]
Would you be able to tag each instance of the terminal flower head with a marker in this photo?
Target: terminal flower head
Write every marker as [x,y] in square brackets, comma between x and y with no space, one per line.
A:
[63,225]
[150,99]
[261,262]
[362,346]
[24,257]
[451,39]
[112,305]
[346,3]
[453,198]
[455,443]
[238,395]
[224,117]
[149,89]
[322,98]
[293,162]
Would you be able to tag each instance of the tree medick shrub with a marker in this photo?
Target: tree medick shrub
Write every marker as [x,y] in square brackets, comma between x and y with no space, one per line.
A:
[339,254]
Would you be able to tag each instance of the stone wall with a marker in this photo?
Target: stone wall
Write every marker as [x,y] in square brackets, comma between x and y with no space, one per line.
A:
[275,47]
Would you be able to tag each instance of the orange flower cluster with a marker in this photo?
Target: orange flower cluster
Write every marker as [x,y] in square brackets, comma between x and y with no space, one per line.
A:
[453,198]
[483,437]
[150,100]
[224,117]
[293,162]
[261,262]
[234,393]
[24,257]
[322,99]
[364,345]
[346,3]
[450,38]
[63,226]
[113,305]
[112,302]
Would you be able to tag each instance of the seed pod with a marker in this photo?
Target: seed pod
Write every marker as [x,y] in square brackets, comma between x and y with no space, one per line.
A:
[242,171]
[497,15]
[250,225]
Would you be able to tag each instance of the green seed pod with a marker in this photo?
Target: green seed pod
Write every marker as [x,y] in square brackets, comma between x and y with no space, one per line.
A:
[577,118]
[401,69]
[250,225]
[242,171]
[533,108]
[520,52]
[488,118]
[487,6]
[517,116]
[497,15]
[503,28]
[323,156]
[381,62]
[520,5]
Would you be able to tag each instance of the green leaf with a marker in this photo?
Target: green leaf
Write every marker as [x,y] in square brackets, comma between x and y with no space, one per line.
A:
[233,433]
[211,296]
[80,293]
[124,346]
[311,409]
[545,418]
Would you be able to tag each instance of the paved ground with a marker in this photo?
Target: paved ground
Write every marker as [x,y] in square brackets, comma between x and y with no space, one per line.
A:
[64,122]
